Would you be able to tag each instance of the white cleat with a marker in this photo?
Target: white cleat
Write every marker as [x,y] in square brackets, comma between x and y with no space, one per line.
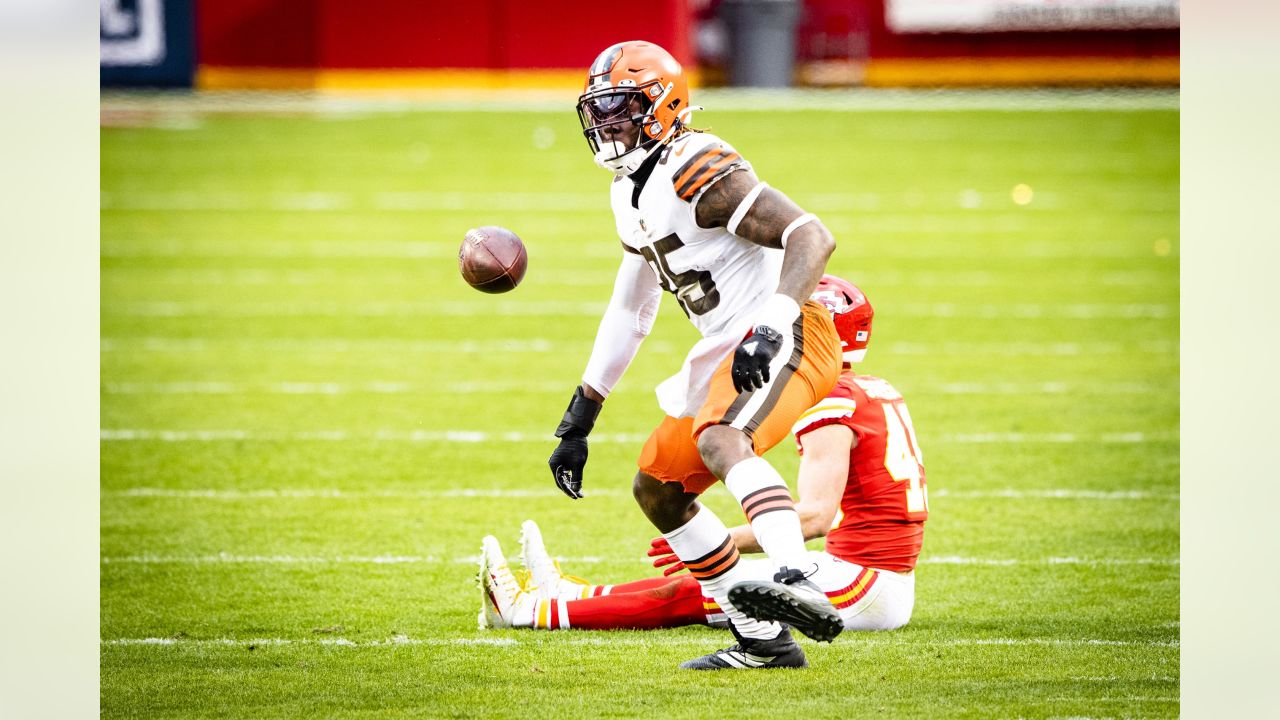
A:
[500,593]
[545,578]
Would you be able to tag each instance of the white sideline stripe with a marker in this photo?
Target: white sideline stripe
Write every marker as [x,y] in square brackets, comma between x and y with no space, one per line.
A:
[536,345]
[339,494]
[553,308]
[480,436]
[225,558]
[479,388]
[642,639]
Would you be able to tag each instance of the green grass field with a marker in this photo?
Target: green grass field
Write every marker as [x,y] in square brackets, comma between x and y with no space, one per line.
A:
[309,420]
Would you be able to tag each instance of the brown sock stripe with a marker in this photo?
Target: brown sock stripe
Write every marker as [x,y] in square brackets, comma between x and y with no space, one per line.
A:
[715,563]
[772,507]
[720,568]
[766,500]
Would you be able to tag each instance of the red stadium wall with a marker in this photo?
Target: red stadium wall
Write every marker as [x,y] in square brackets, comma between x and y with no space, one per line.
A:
[296,42]
[510,43]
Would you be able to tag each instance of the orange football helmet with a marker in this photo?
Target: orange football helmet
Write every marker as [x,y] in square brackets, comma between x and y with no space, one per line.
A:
[633,83]
[851,311]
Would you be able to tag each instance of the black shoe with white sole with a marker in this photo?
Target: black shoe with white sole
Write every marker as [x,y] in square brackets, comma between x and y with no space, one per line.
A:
[752,654]
[792,599]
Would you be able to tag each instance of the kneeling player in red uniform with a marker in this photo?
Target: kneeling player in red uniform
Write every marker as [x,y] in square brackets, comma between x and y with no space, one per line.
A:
[861,484]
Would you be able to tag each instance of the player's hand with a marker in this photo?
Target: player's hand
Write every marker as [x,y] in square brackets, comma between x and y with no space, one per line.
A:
[666,557]
[567,462]
[751,360]
[568,459]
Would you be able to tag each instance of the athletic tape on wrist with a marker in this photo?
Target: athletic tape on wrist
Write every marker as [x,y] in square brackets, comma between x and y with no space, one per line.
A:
[744,207]
[779,313]
[795,224]
[580,415]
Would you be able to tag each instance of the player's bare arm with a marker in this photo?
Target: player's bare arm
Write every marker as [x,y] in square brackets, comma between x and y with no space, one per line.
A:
[824,469]
[766,222]
[752,210]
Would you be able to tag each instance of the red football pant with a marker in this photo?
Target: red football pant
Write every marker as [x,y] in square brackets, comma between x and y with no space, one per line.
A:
[641,605]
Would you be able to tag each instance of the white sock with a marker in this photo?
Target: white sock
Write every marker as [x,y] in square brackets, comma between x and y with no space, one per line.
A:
[769,508]
[706,549]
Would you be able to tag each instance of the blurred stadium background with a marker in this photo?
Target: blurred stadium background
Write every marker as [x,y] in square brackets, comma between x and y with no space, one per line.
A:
[380,44]
[309,421]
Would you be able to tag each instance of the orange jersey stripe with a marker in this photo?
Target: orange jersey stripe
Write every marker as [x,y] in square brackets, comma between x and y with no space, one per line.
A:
[697,163]
[707,175]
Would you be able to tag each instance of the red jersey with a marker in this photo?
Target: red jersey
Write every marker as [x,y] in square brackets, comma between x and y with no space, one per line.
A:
[885,503]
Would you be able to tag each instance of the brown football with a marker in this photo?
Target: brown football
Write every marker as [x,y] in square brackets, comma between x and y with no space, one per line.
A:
[492,259]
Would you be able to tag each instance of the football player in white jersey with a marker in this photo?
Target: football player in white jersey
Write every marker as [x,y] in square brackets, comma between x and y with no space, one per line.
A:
[742,260]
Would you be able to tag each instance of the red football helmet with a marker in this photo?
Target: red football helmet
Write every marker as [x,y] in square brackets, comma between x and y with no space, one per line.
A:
[851,311]
[633,83]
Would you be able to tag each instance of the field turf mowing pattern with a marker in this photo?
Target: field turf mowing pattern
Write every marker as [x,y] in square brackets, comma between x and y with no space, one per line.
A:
[309,421]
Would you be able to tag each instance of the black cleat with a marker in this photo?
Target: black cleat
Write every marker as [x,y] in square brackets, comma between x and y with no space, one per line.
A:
[751,654]
[792,599]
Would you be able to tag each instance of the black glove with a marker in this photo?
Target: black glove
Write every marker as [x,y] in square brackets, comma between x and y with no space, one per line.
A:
[570,457]
[751,359]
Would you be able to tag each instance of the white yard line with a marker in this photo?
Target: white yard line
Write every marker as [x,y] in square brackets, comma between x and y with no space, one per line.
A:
[390,387]
[336,345]
[491,493]
[556,308]
[1089,562]
[225,558]
[133,276]
[537,639]
[1054,494]
[481,436]
[985,214]
[338,494]
[538,345]
[542,345]
[265,248]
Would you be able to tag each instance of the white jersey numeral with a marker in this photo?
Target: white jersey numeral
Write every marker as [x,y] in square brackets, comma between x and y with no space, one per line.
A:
[902,456]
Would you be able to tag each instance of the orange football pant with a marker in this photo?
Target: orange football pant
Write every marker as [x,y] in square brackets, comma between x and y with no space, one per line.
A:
[766,415]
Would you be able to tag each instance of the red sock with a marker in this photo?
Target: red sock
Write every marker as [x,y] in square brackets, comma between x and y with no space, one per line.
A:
[639,585]
[671,603]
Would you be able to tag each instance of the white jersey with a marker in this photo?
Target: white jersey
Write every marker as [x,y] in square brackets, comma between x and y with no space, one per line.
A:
[720,280]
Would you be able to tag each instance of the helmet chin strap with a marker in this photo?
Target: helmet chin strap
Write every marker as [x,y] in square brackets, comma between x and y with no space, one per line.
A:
[615,157]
